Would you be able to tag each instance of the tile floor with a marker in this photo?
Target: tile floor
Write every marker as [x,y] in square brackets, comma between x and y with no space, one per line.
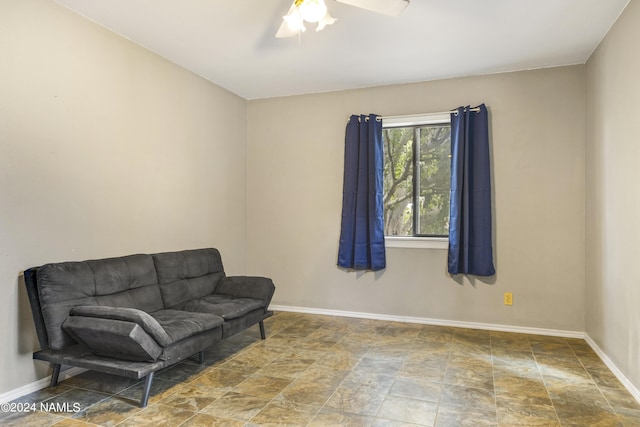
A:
[331,371]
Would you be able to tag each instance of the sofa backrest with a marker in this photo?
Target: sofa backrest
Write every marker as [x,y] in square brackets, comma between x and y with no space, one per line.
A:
[187,275]
[128,281]
[145,282]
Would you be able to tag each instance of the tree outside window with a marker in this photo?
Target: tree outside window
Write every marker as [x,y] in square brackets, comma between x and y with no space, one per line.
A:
[417,173]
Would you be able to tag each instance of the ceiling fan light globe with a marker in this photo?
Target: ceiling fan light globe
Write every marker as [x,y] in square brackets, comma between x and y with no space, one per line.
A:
[312,10]
[326,20]
[294,21]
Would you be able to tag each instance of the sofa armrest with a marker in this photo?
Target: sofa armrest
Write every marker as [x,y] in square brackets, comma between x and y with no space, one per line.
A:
[139,317]
[113,338]
[260,288]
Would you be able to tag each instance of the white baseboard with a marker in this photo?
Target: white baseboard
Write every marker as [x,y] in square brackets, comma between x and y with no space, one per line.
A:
[429,321]
[38,385]
[612,366]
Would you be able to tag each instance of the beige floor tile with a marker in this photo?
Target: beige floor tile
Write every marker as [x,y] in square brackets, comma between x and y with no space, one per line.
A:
[284,412]
[407,410]
[379,365]
[523,399]
[380,383]
[620,398]
[236,406]
[157,416]
[578,400]
[416,388]
[508,383]
[456,416]
[29,419]
[629,417]
[526,415]
[204,420]
[191,397]
[335,371]
[71,422]
[470,377]
[262,386]
[181,373]
[604,378]
[339,360]
[470,397]
[44,394]
[72,402]
[220,378]
[327,417]
[383,422]
[109,412]
[518,361]
[159,390]
[360,400]
[287,368]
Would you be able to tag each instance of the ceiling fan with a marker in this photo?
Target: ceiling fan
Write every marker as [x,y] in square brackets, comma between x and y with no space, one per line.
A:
[315,11]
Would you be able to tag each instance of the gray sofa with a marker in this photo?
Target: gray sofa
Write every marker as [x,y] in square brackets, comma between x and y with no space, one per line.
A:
[137,314]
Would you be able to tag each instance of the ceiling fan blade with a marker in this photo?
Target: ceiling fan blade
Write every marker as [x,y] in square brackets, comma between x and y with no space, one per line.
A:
[385,7]
[285,30]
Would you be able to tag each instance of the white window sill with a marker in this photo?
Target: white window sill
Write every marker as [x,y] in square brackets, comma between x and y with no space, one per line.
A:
[416,242]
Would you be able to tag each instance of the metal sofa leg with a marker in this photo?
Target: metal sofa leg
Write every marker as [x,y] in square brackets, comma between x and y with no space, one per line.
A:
[262,334]
[55,374]
[201,357]
[147,389]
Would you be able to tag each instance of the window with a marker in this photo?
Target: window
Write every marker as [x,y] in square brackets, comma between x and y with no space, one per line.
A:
[417,173]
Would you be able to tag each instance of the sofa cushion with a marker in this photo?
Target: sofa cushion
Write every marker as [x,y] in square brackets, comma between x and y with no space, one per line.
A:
[139,317]
[187,275]
[181,324]
[247,287]
[113,338]
[113,275]
[166,327]
[128,281]
[225,306]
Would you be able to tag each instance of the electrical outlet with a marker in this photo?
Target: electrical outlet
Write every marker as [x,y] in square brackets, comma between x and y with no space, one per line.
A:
[508,298]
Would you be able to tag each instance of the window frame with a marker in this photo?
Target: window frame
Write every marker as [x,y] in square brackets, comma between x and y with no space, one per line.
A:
[419,241]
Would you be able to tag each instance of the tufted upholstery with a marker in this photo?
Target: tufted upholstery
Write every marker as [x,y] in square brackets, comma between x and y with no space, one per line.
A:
[151,301]
[137,314]
[128,282]
[188,275]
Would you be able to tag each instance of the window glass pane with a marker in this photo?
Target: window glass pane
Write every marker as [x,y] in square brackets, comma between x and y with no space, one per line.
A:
[434,175]
[417,174]
[398,181]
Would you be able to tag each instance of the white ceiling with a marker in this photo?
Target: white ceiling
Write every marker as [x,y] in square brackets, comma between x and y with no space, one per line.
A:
[232,43]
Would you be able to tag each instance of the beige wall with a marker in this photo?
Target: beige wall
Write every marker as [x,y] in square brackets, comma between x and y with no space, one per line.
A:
[105,150]
[613,200]
[295,163]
